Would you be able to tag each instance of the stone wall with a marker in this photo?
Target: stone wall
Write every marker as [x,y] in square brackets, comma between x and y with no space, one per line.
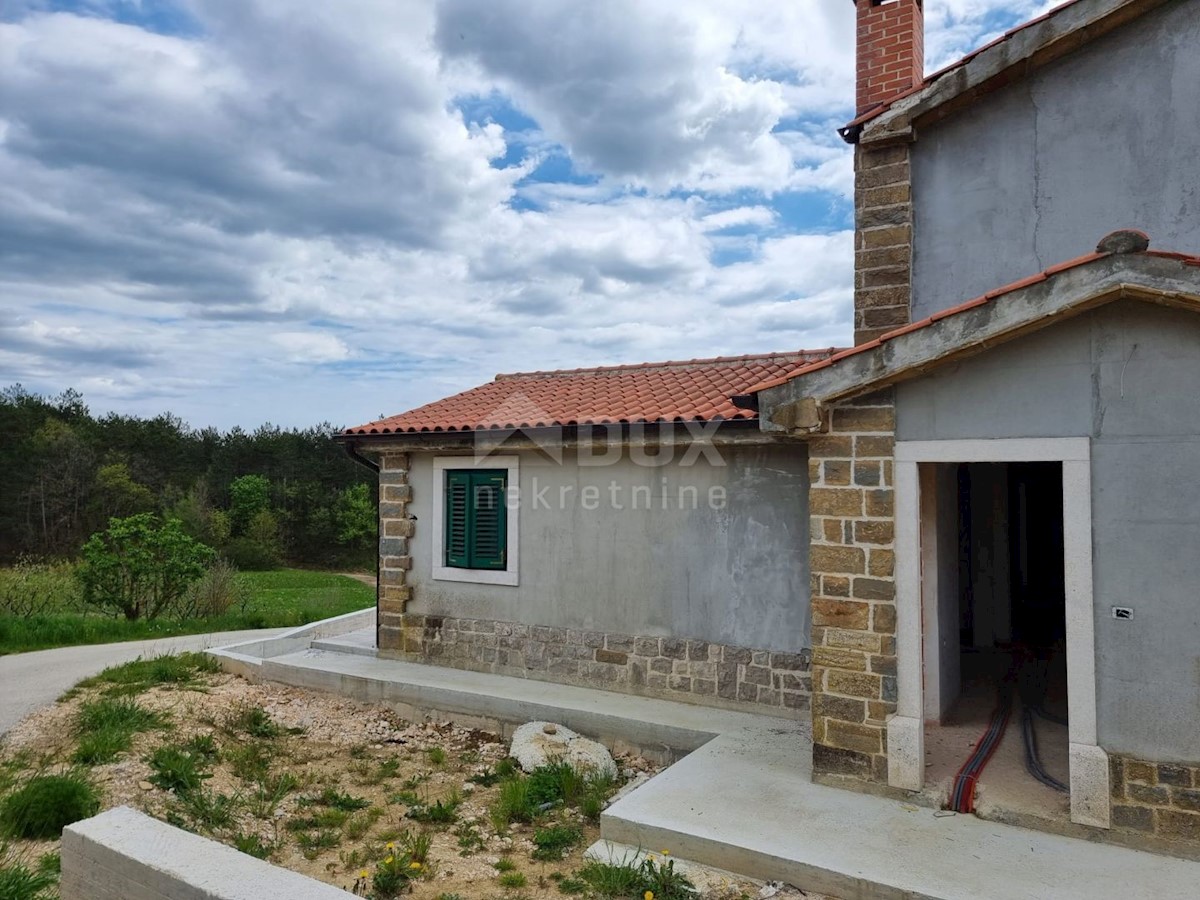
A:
[395,559]
[883,236]
[853,607]
[1162,799]
[673,668]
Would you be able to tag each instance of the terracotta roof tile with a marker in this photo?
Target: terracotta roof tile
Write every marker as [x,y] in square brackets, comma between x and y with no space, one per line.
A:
[690,390]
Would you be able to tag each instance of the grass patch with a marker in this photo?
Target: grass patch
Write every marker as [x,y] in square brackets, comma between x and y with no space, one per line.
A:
[512,880]
[336,799]
[437,756]
[630,879]
[525,799]
[254,845]
[440,812]
[253,721]
[106,728]
[282,598]
[46,804]
[182,670]
[553,843]
[17,882]
[177,769]
[207,810]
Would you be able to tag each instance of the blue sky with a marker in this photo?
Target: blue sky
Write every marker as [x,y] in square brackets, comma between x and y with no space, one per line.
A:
[296,212]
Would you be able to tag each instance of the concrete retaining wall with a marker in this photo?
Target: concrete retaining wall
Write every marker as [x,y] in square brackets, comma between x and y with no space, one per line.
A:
[123,854]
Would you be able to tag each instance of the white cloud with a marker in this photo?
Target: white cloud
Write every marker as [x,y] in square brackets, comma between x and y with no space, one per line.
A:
[281,213]
[312,347]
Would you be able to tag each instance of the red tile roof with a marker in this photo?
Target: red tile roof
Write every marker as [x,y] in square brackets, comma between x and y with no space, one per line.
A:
[957,64]
[804,369]
[686,391]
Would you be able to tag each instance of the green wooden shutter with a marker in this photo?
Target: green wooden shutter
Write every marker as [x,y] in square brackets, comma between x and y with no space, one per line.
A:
[476,519]
[458,519]
[488,528]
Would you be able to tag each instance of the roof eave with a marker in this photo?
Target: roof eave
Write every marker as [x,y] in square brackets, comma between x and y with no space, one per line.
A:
[980,325]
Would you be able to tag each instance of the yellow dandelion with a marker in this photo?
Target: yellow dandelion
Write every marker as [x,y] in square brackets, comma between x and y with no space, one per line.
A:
[389,860]
[391,845]
[665,852]
[414,865]
[649,895]
[363,873]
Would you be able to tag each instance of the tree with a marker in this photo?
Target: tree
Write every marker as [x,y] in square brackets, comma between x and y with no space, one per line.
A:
[140,566]
[356,516]
[248,496]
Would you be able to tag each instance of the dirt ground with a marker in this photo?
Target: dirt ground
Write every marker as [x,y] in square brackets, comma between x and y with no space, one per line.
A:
[388,767]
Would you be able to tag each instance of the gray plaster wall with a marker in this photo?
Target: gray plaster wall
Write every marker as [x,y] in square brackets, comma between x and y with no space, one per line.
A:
[1037,172]
[735,575]
[1128,377]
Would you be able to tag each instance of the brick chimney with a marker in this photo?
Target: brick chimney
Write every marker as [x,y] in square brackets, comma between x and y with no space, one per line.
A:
[890,49]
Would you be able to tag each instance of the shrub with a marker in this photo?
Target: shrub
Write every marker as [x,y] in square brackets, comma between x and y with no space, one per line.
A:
[141,567]
[46,804]
[30,588]
[216,592]
[251,556]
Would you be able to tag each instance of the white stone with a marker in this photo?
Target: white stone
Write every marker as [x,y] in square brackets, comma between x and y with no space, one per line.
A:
[533,747]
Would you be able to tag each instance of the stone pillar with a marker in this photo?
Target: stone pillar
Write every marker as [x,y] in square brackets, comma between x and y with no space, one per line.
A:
[852,560]
[395,560]
[883,240]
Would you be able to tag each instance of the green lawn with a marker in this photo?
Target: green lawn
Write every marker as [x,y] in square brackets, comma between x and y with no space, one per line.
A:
[280,599]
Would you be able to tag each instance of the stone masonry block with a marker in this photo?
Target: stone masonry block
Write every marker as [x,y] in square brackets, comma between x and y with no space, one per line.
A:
[853,736]
[848,560]
[841,613]
[835,502]
[854,684]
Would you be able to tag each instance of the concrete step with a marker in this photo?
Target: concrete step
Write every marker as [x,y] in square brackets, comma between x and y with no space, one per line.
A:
[661,729]
[745,803]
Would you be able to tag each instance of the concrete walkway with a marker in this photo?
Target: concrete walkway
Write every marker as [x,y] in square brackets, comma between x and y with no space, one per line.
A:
[743,800]
[29,681]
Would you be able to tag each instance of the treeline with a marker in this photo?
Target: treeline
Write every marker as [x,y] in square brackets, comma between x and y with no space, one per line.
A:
[258,497]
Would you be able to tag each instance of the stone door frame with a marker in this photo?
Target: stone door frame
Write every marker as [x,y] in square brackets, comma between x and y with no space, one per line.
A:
[916,529]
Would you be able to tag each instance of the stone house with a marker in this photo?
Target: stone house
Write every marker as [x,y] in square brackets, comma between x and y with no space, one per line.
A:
[993,494]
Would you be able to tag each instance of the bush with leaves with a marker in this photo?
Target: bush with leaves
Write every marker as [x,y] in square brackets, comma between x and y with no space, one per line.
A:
[140,566]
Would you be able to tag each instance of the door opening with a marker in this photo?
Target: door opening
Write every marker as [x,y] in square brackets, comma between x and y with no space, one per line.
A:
[997,717]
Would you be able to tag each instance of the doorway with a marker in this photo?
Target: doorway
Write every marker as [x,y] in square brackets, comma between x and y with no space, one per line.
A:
[998,733]
[994,595]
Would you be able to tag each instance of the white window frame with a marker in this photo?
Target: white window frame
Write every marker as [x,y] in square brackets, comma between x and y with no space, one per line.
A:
[509,574]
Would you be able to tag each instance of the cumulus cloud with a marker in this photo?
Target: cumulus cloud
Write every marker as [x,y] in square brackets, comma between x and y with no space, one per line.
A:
[260,210]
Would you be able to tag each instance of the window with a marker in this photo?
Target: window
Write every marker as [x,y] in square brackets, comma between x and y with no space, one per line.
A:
[475,519]
[475,516]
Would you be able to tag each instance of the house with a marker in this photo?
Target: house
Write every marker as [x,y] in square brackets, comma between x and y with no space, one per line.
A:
[982,519]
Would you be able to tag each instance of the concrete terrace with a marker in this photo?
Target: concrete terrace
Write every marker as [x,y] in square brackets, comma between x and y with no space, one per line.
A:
[741,799]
